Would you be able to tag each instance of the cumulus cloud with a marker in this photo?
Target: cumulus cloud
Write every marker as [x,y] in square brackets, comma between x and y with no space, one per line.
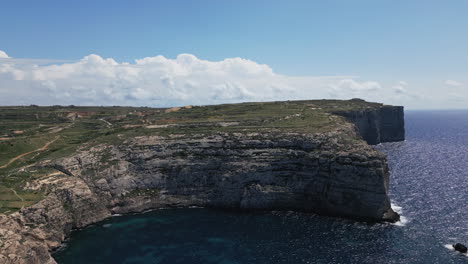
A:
[3,55]
[160,81]
[453,83]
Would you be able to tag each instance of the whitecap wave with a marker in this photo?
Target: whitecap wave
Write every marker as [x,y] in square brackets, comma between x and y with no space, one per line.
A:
[402,222]
[396,208]
[448,246]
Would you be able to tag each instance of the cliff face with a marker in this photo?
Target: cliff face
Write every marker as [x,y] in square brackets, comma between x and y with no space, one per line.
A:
[332,173]
[384,124]
[240,171]
[28,236]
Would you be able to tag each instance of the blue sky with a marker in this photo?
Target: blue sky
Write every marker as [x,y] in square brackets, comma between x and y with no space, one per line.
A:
[419,45]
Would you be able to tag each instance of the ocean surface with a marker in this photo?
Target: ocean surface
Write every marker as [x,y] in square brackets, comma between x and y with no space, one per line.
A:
[429,187]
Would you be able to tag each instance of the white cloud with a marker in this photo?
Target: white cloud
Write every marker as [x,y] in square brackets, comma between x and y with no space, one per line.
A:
[186,79]
[3,55]
[453,83]
[400,87]
[159,81]
[402,93]
[5,59]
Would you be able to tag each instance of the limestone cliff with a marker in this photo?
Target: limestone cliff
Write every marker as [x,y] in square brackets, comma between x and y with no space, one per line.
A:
[330,171]
[378,125]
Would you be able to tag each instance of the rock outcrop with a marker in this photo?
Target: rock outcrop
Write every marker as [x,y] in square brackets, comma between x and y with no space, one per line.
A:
[29,235]
[333,173]
[460,248]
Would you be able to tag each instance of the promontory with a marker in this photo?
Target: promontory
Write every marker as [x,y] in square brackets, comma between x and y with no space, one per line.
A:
[66,167]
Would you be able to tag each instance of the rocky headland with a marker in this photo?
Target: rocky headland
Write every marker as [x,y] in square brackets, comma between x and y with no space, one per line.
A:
[311,156]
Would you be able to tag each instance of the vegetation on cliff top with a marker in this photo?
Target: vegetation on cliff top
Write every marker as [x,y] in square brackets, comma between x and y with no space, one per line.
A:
[29,134]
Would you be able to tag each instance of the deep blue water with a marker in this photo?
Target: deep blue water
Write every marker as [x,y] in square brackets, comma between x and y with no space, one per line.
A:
[428,181]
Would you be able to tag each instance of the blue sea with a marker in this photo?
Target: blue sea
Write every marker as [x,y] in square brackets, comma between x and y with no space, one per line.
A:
[429,187]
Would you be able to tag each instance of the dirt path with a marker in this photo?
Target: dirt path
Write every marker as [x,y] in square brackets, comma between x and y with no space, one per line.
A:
[16,194]
[27,153]
[109,124]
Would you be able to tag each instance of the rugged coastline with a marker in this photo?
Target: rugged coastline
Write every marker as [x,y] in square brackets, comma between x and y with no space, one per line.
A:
[330,170]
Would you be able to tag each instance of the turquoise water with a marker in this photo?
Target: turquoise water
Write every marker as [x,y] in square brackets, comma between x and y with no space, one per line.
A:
[428,186]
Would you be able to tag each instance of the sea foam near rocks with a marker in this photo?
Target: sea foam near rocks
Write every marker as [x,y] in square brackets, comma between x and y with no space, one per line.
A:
[450,247]
[403,220]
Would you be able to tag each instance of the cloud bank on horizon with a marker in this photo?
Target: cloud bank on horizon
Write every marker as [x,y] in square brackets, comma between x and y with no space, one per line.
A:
[159,81]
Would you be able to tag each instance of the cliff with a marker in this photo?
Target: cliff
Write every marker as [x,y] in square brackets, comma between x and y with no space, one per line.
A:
[384,124]
[304,157]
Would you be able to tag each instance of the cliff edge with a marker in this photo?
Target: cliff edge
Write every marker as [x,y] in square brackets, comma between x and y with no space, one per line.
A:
[378,125]
[297,155]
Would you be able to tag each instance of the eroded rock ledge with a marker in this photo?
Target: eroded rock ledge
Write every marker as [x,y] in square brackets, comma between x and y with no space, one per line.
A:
[332,173]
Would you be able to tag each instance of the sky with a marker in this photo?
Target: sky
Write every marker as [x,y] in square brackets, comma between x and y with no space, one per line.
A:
[179,52]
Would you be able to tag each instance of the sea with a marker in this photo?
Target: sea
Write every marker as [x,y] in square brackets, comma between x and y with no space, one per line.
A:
[429,188]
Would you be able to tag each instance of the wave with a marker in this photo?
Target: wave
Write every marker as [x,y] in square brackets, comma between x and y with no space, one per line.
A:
[403,220]
[449,246]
